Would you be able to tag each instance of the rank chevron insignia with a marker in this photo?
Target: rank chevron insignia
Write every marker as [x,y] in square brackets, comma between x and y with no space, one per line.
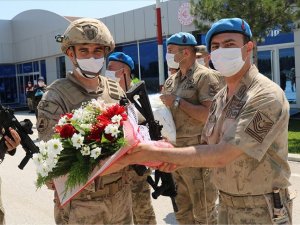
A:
[259,127]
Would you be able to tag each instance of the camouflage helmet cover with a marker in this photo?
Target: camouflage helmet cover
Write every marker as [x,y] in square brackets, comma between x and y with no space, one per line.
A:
[86,31]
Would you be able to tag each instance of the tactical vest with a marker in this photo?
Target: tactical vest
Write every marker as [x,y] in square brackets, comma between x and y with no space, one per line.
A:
[73,95]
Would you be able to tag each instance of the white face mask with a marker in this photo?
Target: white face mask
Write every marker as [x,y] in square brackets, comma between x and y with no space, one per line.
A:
[111,75]
[201,61]
[171,62]
[90,67]
[228,61]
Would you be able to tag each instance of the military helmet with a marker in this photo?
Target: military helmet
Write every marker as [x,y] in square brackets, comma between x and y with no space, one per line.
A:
[86,31]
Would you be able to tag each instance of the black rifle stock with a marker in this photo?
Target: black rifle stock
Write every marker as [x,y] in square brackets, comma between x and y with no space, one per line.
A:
[138,95]
[7,119]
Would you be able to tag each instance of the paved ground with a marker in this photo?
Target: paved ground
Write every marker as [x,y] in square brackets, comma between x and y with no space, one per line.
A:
[26,205]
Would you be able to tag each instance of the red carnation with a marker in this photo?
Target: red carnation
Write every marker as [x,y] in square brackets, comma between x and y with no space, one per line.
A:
[112,111]
[96,132]
[67,131]
[57,129]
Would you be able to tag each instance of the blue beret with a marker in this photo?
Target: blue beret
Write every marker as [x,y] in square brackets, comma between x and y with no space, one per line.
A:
[123,58]
[229,25]
[182,38]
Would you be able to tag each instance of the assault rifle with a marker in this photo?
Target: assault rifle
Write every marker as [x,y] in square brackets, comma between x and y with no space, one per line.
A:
[7,119]
[138,95]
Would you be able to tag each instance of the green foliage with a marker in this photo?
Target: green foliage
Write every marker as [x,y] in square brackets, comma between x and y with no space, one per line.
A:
[77,166]
[262,15]
[294,136]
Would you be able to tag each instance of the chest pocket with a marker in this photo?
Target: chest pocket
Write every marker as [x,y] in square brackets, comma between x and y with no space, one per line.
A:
[188,93]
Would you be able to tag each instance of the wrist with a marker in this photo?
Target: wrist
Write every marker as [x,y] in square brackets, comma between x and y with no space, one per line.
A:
[176,102]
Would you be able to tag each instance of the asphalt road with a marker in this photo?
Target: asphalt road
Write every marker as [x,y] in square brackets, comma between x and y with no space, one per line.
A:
[24,204]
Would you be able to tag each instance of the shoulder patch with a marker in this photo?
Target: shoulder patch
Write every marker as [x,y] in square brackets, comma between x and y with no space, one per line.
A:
[113,89]
[168,83]
[42,124]
[259,126]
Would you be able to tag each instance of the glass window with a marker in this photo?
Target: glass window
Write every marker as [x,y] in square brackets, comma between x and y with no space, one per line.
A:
[265,63]
[8,70]
[27,67]
[149,65]
[36,66]
[61,67]
[20,68]
[8,87]
[287,73]
[43,70]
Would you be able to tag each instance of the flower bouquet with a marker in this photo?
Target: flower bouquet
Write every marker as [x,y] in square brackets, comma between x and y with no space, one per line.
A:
[82,139]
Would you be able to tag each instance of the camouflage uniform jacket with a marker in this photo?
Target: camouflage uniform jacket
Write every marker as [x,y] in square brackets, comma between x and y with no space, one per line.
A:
[255,119]
[200,84]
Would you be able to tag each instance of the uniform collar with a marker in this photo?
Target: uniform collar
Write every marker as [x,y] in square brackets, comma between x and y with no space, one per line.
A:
[189,73]
[243,85]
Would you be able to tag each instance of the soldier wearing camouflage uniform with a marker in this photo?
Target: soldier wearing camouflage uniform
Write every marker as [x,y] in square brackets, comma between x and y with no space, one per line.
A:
[246,135]
[252,116]
[188,94]
[119,68]
[86,42]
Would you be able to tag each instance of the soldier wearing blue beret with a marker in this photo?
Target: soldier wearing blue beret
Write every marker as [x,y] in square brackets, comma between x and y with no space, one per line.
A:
[245,135]
[119,68]
[188,94]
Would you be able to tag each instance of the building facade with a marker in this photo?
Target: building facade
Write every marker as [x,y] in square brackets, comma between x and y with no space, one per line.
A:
[28,48]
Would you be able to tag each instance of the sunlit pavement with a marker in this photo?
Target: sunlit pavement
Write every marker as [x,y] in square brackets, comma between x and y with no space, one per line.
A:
[24,204]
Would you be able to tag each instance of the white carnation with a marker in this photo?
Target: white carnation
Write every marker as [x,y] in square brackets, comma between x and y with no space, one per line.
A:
[112,129]
[116,119]
[62,120]
[85,150]
[77,140]
[43,147]
[95,152]
[55,146]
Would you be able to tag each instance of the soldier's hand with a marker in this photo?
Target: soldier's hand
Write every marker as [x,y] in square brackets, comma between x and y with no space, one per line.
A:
[168,167]
[12,143]
[168,99]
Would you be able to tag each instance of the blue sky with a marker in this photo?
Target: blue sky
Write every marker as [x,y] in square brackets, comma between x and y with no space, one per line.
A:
[88,8]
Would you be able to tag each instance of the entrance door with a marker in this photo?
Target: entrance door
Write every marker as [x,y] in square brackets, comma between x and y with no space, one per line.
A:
[22,83]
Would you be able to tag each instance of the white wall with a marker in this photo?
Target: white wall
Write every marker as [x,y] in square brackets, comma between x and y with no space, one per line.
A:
[51,69]
[141,23]
[33,33]
[6,55]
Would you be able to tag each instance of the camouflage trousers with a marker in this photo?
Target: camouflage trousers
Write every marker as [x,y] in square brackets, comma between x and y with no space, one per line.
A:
[258,209]
[196,196]
[142,208]
[2,221]
[106,209]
